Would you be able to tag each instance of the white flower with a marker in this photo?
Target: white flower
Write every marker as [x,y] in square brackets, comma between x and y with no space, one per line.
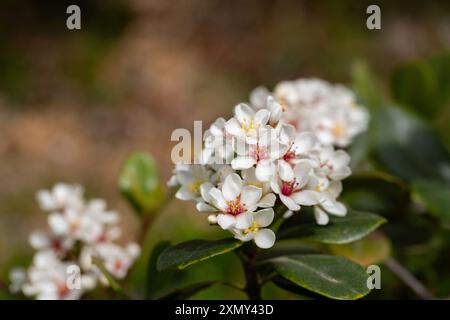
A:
[261,154]
[333,164]
[191,177]
[260,98]
[327,203]
[62,196]
[247,122]
[329,111]
[218,143]
[235,202]
[296,186]
[300,145]
[47,279]
[47,241]
[17,277]
[76,225]
[118,260]
[257,231]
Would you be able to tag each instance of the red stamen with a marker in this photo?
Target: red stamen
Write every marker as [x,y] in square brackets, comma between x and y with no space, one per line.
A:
[288,188]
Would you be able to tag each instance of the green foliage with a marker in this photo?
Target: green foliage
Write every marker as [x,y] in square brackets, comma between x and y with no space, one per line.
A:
[352,227]
[373,249]
[189,291]
[407,147]
[187,253]
[424,85]
[331,276]
[436,197]
[139,183]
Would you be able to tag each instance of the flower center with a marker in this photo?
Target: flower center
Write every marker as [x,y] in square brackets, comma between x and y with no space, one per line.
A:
[289,156]
[288,188]
[118,264]
[248,125]
[194,187]
[57,245]
[235,207]
[258,153]
[338,130]
[63,291]
[253,228]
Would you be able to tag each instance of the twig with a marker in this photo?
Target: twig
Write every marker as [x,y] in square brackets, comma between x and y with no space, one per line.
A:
[415,285]
[252,286]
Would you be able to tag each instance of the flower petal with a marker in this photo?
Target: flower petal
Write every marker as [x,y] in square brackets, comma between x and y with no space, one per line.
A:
[184,193]
[243,112]
[305,197]
[289,203]
[232,187]
[233,127]
[241,163]
[265,238]
[321,216]
[262,117]
[264,217]
[244,220]
[267,201]
[250,196]
[285,171]
[203,207]
[218,199]
[226,221]
[265,170]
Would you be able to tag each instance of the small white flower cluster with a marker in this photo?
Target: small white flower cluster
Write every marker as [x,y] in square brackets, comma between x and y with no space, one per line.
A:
[78,231]
[257,161]
[329,111]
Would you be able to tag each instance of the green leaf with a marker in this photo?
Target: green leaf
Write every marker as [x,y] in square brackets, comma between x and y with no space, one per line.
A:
[441,68]
[372,249]
[367,86]
[156,280]
[406,147]
[339,230]
[187,253]
[139,183]
[436,198]
[331,276]
[415,85]
[189,291]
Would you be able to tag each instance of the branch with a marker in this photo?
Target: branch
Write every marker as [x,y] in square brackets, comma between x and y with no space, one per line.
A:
[415,285]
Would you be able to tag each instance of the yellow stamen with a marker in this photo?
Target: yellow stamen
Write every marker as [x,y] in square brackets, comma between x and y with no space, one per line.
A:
[338,130]
[195,186]
[253,228]
[248,125]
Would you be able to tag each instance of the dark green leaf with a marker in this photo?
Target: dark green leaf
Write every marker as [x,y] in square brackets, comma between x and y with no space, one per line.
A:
[139,183]
[287,285]
[407,148]
[331,276]
[441,68]
[189,291]
[155,280]
[415,85]
[436,197]
[352,227]
[372,249]
[187,253]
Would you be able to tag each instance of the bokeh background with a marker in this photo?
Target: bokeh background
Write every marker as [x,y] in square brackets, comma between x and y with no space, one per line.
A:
[74,104]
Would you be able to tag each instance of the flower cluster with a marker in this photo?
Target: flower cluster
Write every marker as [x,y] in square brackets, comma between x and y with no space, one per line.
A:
[329,111]
[257,161]
[79,230]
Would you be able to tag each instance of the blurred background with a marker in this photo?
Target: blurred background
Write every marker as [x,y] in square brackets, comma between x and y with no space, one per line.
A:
[74,104]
